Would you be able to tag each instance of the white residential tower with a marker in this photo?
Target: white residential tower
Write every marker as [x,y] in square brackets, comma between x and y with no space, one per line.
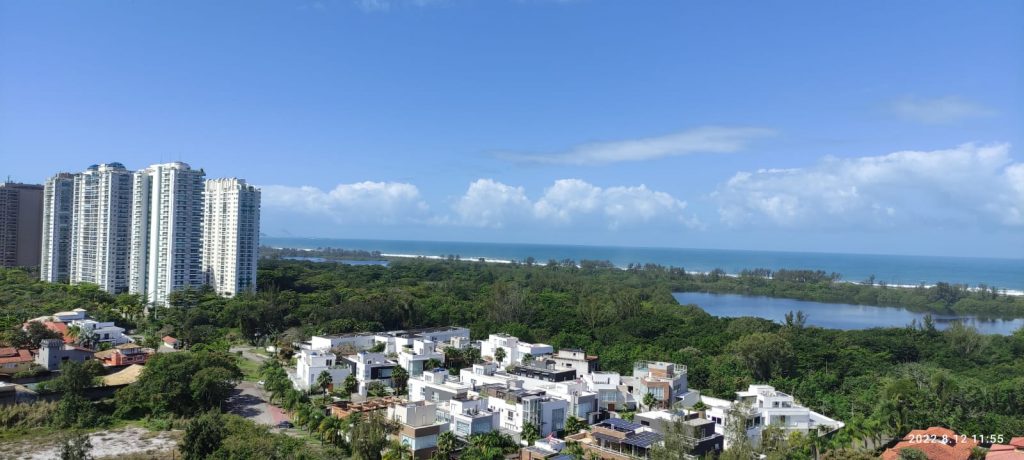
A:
[167,230]
[231,235]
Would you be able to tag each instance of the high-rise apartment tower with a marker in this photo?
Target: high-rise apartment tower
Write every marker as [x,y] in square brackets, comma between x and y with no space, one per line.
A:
[231,231]
[167,231]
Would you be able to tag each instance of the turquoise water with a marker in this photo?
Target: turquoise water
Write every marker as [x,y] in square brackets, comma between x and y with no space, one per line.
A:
[833,315]
[1002,273]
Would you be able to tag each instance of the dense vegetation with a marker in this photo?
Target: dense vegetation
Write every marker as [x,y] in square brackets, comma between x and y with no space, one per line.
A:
[882,382]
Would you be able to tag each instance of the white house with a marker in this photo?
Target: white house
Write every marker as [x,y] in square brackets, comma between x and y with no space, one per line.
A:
[468,416]
[765,406]
[104,332]
[516,406]
[666,381]
[436,386]
[569,358]
[310,363]
[413,357]
[612,395]
[357,340]
[373,367]
[514,349]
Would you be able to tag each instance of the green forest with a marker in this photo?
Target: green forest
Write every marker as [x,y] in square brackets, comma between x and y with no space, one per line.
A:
[881,382]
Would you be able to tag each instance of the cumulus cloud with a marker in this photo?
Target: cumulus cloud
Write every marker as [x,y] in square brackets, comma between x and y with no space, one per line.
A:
[488,203]
[964,185]
[940,110]
[362,202]
[708,139]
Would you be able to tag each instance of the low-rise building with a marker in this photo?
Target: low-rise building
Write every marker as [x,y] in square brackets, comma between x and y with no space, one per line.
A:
[574,359]
[516,407]
[612,395]
[102,331]
[54,352]
[310,363]
[170,342]
[1012,451]
[666,381]
[435,386]
[14,360]
[124,355]
[418,427]
[513,349]
[467,416]
[414,357]
[706,442]
[762,406]
[357,340]
[617,439]
[373,367]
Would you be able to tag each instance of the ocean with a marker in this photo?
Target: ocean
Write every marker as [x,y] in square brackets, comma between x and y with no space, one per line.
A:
[893,269]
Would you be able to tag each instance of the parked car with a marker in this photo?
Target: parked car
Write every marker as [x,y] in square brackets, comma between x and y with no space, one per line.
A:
[285,424]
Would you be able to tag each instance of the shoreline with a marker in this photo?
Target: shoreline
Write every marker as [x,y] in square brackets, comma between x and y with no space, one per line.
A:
[1006,292]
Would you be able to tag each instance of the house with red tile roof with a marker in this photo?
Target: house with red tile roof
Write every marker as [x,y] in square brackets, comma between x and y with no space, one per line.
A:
[170,342]
[14,360]
[936,442]
[1012,451]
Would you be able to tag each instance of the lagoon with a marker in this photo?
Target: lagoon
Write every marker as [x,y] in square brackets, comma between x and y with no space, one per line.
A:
[835,315]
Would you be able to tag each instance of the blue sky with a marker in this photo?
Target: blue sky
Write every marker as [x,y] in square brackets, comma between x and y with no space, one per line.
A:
[866,127]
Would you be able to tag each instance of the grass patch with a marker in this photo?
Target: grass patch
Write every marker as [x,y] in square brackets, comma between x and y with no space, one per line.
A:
[250,369]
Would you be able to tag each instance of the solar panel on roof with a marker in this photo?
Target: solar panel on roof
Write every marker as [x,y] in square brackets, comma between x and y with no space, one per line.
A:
[622,425]
[644,439]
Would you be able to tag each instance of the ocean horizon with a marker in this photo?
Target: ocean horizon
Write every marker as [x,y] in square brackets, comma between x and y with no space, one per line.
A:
[1005,274]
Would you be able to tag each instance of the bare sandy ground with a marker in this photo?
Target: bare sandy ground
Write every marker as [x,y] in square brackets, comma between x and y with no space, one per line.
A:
[105,444]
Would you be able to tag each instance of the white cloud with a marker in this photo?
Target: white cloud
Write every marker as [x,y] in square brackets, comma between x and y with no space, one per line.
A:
[964,185]
[362,202]
[940,110]
[708,139]
[488,203]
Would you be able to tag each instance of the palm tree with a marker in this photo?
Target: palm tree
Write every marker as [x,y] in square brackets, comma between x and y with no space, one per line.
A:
[324,381]
[432,364]
[649,400]
[73,332]
[499,355]
[397,451]
[399,377]
[446,445]
[351,385]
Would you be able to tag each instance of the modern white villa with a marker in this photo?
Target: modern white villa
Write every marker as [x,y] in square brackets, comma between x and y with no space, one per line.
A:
[765,406]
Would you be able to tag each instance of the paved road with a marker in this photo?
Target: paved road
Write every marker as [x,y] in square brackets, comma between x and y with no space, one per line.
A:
[250,401]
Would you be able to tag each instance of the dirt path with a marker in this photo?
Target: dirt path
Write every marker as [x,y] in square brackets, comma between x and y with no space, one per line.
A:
[105,444]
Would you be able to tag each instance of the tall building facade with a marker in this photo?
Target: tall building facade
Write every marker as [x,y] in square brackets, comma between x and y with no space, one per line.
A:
[231,232]
[21,223]
[167,230]
[101,227]
[58,206]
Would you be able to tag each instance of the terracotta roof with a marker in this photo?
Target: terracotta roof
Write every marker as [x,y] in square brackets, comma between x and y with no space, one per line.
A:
[170,339]
[929,441]
[1017,442]
[60,328]
[14,355]
[1005,452]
